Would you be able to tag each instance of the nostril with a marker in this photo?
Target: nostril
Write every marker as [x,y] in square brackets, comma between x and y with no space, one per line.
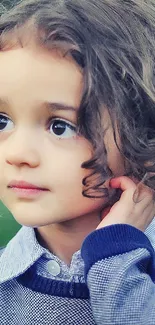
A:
[22,156]
[8,162]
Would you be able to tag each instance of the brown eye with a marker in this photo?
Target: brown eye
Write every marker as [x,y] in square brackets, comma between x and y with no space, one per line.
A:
[62,129]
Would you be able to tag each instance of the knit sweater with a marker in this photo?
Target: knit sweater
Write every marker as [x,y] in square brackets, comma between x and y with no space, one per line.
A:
[110,281]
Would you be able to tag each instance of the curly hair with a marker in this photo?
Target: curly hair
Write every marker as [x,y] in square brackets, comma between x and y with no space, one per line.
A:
[113,42]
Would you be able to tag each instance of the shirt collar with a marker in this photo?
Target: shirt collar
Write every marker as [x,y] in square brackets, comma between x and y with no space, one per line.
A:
[24,250]
[21,252]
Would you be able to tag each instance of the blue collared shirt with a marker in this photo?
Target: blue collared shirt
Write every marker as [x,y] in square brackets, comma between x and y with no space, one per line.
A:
[120,280]
[24,250]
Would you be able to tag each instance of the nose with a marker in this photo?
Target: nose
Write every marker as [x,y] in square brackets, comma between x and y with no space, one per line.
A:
[22,149]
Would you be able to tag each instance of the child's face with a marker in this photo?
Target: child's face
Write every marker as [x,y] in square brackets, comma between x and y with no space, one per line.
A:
[37,148]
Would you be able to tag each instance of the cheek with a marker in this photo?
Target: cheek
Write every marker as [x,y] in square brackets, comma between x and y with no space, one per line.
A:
[68,189]
[65,167]
[68,172]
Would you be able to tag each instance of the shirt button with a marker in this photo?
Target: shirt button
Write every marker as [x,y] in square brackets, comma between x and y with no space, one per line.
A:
[53,268]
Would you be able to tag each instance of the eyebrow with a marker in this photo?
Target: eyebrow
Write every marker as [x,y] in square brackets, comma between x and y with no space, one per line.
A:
[60,107]
[48,105]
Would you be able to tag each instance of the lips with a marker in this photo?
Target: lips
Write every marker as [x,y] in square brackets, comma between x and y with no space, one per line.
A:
[25,185]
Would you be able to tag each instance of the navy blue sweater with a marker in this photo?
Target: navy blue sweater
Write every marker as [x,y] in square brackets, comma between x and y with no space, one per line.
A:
[112,281]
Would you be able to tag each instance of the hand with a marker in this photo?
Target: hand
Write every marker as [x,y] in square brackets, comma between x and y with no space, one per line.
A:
[136,206]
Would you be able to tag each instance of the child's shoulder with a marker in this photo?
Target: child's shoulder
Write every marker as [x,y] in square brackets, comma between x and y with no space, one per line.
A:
[1,250]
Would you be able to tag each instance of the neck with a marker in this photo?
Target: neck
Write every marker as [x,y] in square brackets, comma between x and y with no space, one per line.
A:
[65,238]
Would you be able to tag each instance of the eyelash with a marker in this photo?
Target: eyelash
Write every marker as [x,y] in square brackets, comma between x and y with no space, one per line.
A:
[60,125]
[65,124]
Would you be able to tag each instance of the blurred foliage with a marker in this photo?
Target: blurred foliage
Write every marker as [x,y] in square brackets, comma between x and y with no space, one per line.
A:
[8,226]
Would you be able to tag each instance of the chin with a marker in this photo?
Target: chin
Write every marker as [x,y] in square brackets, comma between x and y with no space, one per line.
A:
[30,221]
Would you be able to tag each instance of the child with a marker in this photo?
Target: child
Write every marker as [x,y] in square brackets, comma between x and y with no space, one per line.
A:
[77,144]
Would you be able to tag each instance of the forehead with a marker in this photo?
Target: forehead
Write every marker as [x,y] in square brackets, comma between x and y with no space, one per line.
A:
[40,74]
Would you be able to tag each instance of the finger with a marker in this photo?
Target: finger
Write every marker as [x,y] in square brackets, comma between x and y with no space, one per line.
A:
[138,215]
[126,206]
[123,182]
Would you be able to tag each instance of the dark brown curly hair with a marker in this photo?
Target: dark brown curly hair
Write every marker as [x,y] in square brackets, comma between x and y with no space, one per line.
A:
[113,42]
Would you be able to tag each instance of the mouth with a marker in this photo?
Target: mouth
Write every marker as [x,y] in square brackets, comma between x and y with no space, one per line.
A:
[26,190]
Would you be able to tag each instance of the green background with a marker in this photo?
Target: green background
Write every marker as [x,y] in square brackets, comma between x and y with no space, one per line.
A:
[8,226]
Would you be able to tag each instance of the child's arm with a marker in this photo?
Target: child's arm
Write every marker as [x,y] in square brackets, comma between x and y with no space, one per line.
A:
[120,261]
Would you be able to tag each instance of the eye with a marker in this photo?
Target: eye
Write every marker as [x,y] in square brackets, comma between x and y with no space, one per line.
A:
[5,123]
[62,129]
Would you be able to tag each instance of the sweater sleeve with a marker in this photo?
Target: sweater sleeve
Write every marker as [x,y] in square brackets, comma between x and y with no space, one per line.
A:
[120,274]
